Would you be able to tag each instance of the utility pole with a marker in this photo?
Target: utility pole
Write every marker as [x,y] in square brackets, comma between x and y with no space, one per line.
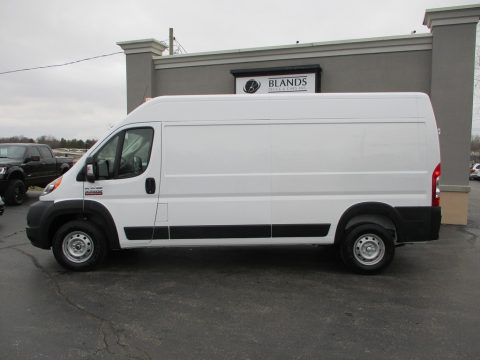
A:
[170,41]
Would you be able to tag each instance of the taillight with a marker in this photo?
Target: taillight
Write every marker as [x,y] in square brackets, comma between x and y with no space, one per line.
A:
[436,186]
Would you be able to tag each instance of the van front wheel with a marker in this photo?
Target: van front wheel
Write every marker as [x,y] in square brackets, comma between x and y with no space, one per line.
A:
[368,248]
[79,245]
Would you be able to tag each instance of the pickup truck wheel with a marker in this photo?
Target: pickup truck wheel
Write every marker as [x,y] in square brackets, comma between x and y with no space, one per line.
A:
[15,193]
[368,248]
[79,245]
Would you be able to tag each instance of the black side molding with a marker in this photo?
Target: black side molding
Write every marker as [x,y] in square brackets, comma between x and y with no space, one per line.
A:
[300,230]
[226,231]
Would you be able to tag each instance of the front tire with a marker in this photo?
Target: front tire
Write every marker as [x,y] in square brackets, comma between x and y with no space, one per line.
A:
[15,193]
[79,245]
[368,248]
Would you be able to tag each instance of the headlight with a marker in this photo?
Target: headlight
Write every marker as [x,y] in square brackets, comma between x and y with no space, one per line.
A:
[3,170]
[52,186]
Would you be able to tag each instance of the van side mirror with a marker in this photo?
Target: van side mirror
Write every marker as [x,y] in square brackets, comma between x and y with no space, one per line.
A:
[89,171]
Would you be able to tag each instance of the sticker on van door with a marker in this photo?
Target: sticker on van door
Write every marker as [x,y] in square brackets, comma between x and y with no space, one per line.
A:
[96,190]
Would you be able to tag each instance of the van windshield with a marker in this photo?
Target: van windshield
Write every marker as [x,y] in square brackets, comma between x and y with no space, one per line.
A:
[12,151]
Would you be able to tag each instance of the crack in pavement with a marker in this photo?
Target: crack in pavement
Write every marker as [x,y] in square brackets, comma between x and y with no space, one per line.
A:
[472,237]
[14,246]
[10,235]
[110,340]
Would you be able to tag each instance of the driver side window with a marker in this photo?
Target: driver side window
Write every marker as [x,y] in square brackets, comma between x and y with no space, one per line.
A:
[125,155]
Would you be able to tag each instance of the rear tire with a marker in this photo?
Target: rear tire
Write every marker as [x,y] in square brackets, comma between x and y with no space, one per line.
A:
[368,248]
[15,193]
[79,245]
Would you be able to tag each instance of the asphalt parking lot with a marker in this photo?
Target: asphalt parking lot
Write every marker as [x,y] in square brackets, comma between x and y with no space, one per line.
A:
[241,303]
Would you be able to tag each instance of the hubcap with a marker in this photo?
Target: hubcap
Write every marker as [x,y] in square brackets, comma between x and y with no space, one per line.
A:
[369,249]
[78,247]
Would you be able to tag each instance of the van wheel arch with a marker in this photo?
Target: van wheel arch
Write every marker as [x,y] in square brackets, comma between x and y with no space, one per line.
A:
[369,213]
[92,211]
[95,211]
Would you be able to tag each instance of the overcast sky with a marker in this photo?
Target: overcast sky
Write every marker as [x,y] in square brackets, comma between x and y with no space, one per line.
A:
[83,100]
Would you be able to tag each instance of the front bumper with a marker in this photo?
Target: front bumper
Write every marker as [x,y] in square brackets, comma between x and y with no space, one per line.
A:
[37,224]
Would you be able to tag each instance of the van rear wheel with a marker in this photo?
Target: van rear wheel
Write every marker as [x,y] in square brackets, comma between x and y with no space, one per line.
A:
[368,248]
[79,245]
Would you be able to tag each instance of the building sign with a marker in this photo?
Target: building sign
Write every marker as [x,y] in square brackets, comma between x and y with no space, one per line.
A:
[275,84]
[299,79]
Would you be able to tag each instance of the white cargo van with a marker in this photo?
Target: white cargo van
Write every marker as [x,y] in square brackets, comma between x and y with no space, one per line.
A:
[359,171]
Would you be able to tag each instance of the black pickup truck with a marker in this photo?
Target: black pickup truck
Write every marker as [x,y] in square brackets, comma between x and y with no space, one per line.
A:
[24,165]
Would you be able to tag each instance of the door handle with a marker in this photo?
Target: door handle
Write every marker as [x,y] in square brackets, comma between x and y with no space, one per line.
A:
[150,186]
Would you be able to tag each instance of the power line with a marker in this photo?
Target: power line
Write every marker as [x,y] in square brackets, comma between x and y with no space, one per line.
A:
[58,65]
[180,47]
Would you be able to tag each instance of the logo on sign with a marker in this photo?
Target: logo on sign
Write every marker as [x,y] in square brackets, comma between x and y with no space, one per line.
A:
[251,86]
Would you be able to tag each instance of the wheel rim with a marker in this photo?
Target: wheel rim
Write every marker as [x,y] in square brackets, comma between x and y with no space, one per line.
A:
[18,193]
[78,247]
[369,249]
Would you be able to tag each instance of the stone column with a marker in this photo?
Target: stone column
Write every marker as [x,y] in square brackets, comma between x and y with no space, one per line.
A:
[140,69]
[453,60]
